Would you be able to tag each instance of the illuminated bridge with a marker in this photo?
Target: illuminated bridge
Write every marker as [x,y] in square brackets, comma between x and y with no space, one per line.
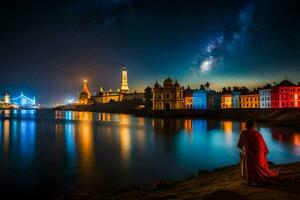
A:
[24,102]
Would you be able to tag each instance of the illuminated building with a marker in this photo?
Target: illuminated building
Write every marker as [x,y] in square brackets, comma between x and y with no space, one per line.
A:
[103,97]
[250,100]
[285,95]
[107,97]
[124,82]
[6,98]
[226,101]
[265,98]
[236,99]
[188,98]
[168,97]
[200,99]
[85,94]
[24,102]
[213,100]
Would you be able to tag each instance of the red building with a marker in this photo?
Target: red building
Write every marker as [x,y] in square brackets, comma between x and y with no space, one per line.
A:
[285,95]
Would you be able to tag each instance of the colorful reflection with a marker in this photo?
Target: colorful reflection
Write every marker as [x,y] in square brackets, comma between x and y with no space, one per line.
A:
[6,136]
[104,117]
[227,127]
[188,125]
[27,137]
[123,119]
[296,139]
[89,156]
[70,140]
[125,144]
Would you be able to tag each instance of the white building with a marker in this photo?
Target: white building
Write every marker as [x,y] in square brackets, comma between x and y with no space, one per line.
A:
[265,98]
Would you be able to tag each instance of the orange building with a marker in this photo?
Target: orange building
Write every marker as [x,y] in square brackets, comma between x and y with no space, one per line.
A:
[249,100]
[226,101]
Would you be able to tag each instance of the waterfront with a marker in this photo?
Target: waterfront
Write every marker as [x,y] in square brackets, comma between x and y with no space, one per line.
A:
[57,152]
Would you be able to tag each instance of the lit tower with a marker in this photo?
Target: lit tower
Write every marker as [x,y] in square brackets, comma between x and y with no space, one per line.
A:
[85,94]
[124,83]
[86,89]
[6,98]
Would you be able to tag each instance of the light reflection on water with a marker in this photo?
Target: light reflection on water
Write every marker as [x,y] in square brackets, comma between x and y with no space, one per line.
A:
[101,152]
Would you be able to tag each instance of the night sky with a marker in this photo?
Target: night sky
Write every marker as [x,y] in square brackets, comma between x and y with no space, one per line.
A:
[48,47]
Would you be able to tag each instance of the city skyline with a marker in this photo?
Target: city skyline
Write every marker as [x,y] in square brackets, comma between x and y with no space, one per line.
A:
[49,48]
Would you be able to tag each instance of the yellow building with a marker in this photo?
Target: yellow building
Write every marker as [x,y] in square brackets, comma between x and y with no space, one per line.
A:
[249,100]
[168,97]
[226,101]
[107,97]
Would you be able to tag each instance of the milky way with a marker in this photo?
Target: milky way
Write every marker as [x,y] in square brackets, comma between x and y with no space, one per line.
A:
[234,34]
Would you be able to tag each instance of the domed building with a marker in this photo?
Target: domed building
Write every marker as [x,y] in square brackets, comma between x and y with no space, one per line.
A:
[169,96]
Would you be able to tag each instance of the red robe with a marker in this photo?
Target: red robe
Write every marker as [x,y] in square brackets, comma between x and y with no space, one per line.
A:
[254,165]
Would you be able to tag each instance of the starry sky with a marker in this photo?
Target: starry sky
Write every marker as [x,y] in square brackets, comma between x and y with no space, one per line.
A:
[48,47]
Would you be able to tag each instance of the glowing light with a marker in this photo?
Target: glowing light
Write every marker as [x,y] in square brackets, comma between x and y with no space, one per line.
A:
[69,101]
[296,139]
[206,65]
[228,127]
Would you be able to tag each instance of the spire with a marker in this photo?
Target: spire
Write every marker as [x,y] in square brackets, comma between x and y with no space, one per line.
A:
[124,83]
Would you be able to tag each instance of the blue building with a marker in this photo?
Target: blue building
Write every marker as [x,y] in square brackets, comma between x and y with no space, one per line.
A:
[200,99]
[24,102]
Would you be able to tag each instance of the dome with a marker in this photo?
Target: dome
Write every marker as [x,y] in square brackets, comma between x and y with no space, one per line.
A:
[168,82]
[176,84]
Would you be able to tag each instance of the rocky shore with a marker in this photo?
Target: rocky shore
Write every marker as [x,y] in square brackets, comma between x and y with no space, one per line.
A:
[223,183]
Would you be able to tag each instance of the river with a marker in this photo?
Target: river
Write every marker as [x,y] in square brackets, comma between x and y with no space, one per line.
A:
[48,153]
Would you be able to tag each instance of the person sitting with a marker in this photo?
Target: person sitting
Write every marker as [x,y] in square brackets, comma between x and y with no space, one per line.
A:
[254,165]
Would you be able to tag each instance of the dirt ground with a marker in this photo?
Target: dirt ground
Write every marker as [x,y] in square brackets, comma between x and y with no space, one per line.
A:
[223,183]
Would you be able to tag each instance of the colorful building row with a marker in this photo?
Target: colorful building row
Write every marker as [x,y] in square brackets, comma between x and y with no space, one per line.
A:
[172,96]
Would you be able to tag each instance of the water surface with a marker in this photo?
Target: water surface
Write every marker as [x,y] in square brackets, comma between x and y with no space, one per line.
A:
[55,152]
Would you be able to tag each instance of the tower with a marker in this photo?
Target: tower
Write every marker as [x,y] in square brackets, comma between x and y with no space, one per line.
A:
[85,94]
[86,89]
[124,83]
[6,98]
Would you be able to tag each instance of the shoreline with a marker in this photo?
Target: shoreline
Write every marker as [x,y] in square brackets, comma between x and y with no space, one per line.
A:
[220,183]
[275,117]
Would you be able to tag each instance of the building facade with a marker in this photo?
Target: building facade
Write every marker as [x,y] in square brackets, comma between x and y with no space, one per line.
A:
[265,98]
[236,99]
[168,97]
[213,100]
[188,99]
[200,99]
[250,100]
[226,101]
[285,95]
[23,101]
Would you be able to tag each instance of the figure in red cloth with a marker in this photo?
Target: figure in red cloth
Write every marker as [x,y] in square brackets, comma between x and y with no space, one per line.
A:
[254,165]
